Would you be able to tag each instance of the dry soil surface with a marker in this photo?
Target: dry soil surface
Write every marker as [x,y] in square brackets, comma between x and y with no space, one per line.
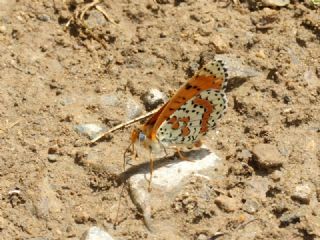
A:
[58,71]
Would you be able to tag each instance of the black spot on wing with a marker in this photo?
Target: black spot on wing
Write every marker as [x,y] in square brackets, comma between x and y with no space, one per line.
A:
[188,86]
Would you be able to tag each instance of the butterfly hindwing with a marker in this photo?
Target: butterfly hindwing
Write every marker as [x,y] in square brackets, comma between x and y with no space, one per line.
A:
[194,118]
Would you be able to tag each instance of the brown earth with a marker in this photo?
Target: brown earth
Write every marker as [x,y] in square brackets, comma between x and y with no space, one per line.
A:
[52,77]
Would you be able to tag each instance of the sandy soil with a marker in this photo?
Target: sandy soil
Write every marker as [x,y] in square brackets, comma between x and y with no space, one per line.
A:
[53,77]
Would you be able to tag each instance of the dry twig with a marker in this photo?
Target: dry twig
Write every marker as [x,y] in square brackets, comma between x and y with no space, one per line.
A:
[78,20]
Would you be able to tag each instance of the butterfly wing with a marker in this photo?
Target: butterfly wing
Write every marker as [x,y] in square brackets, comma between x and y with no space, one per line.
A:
[199,92]
[194,118]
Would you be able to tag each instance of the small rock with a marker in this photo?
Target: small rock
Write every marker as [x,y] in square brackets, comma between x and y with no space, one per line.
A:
[169,178]
[95,233]
[267,156]
[109,100]
[3,29]
[153,98]
[171,175]
[90,129]
[52,157]
[47,202]
[276,175]
[195,17]
[43,17]
[257,188]
[275,3]
[81,217]
[133,109]
[250,206]
[225,203]
[291,218]
[286,99]
[244,155]
[261,54]
[81,158]
[96,19]
[219,44]
[237,70]
[302,193]
[163,1]
[311,78]
[202,237]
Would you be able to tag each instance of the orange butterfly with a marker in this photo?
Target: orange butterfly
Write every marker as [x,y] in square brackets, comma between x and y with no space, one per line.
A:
[189,114]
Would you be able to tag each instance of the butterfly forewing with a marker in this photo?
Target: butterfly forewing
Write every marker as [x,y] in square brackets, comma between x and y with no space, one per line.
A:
[211,77]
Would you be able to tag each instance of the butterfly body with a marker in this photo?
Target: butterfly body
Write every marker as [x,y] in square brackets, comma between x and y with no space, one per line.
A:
[190,113]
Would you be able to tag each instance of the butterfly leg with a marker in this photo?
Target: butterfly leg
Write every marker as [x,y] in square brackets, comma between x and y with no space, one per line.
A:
[181,156]
[134,153]
[151,171]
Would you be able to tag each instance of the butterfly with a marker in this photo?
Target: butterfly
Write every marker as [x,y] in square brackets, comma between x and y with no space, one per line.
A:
[189,114]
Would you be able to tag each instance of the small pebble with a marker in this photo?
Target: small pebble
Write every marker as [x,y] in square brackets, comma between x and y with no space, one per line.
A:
[95,233]
[81,217]
[95,19]
[244,154]
[286,99]
[219,44]
[3,29]
[153,98]
[67,101]
[202,237]
[276,175]
[261,54]
[267,156]
[43,17]
[236,67]
[250,206]
[52,157]
[109,100]
[290,218]
[90,129]
[311,78]
[275,3]
[225,203]
[47,202]
[134,109]
[302,193]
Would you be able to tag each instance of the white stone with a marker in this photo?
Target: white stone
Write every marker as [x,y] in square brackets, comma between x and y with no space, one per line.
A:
[302,193]
[95,233]
[153,98]
[110,100]
[276,3]
[89,129]
[171,175]
[168,179]
[133,109]
[236,66]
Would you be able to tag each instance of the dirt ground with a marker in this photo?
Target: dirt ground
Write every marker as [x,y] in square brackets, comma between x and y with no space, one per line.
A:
[55,68]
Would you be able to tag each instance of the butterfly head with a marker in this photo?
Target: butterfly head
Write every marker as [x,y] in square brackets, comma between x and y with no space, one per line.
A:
[137,135]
